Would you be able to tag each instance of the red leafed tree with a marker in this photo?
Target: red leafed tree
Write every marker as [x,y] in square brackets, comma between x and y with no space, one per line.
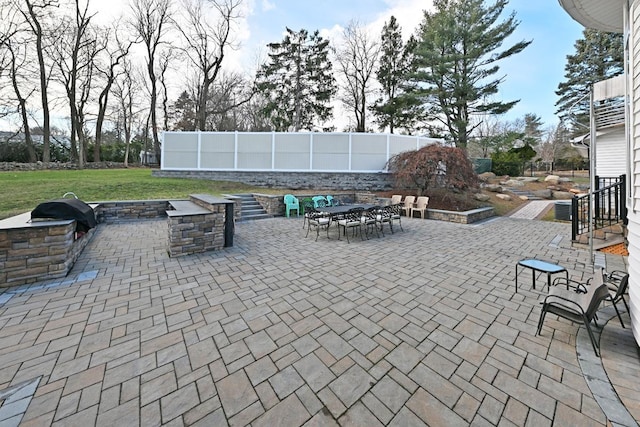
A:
[433,166]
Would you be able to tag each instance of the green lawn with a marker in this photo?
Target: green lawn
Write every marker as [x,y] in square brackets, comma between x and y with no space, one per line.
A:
[23,191]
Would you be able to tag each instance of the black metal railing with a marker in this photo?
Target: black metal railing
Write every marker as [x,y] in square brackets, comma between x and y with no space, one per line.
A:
[610,206]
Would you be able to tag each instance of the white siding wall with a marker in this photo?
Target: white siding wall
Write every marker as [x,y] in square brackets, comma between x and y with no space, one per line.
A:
[610,157]
[634,159]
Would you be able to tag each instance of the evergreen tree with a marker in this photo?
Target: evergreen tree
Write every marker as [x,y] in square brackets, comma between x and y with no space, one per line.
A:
[396,108]
[184,113]
[459,45]
[297,82]
[599,56]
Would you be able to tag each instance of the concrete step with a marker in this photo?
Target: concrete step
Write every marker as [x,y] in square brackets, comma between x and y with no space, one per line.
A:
[250,209]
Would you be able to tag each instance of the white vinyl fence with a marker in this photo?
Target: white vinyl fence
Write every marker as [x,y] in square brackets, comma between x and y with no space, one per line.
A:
[284,151]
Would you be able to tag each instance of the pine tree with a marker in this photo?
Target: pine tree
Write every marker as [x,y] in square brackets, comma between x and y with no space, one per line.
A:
[599,56]
[459,45]
[297,82]
[396,108]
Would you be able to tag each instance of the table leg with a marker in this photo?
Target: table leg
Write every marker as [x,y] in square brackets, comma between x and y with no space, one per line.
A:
[516,278]
[533,278]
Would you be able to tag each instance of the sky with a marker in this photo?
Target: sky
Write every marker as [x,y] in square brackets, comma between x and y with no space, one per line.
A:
[531,76]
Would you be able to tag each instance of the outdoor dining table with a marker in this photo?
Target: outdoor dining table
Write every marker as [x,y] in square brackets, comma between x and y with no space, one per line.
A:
[342,209]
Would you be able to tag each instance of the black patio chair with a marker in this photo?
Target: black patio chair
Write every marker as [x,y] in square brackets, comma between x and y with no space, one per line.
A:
[617,282]
[578,302]
[318,220]
[352,220]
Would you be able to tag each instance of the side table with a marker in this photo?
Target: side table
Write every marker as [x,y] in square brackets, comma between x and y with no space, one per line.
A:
[541,266]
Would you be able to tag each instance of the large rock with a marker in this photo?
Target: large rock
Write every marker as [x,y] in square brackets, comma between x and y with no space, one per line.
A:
[543,194]
[514,183]
[552,179]
[562,195]
[505,197]
[481,197]
[486,176]
[494,188]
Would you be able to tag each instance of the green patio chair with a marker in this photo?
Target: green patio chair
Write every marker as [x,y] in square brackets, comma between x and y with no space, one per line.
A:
[291,203]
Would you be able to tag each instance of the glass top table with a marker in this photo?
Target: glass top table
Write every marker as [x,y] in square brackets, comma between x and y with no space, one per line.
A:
[542,266]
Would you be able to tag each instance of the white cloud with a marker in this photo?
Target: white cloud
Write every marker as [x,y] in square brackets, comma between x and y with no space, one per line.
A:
[267,5]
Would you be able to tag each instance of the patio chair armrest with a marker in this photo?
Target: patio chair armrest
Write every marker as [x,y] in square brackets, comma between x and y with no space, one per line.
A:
[570,303]
[569,283]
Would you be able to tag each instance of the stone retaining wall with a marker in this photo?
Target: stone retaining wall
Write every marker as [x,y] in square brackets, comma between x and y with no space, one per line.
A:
[336,181]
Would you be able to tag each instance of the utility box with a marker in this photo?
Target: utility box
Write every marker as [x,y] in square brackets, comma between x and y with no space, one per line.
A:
[563,210]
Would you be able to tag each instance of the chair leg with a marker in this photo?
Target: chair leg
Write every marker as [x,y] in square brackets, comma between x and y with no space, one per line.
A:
[541,321]
[591,336]
[625,303]
[618,313]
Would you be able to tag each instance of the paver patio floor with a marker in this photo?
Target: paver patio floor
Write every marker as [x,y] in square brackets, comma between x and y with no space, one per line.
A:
[421,327]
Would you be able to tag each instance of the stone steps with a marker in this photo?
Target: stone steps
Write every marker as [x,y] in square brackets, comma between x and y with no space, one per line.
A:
[250,209]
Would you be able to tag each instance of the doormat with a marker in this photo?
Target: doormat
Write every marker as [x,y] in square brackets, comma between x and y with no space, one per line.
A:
[619,249]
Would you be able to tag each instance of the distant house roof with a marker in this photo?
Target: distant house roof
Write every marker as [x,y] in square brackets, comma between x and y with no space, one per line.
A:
[597,14]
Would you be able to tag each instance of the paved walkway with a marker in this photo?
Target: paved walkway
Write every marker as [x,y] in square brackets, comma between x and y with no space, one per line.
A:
[415,328]
[532,209]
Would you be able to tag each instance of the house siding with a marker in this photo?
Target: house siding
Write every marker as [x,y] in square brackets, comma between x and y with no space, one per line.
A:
[609,162]
[634,155]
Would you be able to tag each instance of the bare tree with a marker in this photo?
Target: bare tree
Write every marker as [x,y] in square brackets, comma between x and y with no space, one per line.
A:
[206,43]
[126,92]
[116,51]
[163,63]
[15,65]
[150,20]
[34,14]
[356,59]
[75,53]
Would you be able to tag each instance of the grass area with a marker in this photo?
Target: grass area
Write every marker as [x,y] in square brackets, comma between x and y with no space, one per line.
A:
[23,191]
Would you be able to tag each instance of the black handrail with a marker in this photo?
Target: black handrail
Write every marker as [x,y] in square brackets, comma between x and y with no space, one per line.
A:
[610,206]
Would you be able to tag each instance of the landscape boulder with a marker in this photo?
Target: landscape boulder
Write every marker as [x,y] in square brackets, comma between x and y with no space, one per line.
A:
[552,179]
[481,197]
[543,194]
[505,197]
[486,176]
[562,195]
[494,188]
[513,183]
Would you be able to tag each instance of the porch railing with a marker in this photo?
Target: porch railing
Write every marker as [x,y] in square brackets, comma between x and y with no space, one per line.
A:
[610,207]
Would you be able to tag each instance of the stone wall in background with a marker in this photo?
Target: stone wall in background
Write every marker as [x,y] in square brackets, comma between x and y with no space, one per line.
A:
[13,166]
[293,180]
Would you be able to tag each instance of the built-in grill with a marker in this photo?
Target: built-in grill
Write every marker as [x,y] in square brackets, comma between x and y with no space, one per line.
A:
[67,209]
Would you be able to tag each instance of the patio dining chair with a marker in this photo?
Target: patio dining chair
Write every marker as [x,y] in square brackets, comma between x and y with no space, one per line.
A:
[383,216]
[319,202]
[394,215]
[307,208]
[396,198]
[352,220]
[291,203]
[408,204]
[420,206]
[578,302]
[369,221]
[318,221]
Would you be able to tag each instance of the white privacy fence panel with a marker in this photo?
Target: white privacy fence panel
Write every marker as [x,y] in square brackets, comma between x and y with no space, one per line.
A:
[280,151]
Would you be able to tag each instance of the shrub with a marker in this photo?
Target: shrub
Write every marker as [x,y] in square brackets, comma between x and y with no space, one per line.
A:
[433,166]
